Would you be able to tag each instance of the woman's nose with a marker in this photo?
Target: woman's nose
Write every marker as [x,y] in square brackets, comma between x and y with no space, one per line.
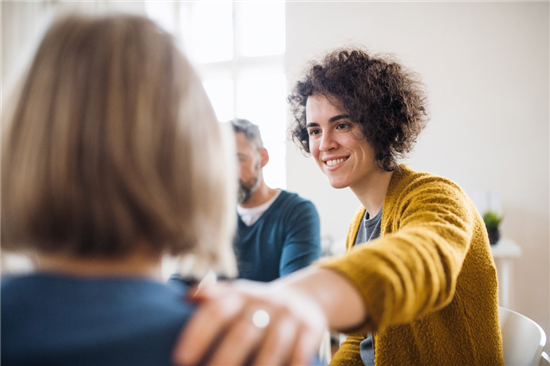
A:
[327,142]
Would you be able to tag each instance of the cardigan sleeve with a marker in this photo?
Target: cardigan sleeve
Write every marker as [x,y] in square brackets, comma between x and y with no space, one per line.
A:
[412,269]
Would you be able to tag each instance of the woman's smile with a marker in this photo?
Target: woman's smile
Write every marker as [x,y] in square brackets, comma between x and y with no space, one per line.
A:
[338,144]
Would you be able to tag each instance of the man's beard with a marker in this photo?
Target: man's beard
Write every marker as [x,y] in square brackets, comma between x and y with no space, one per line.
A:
[246,189]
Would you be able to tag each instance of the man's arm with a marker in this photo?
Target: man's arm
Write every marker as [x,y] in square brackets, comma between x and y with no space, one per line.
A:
[302,244]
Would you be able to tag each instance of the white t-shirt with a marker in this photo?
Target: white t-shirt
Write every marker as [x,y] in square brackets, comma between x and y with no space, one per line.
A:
[251,215]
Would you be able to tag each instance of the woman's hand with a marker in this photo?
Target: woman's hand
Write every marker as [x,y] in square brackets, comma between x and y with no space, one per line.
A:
[224,330]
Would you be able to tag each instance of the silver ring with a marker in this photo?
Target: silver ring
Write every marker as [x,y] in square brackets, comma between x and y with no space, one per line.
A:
[260,318]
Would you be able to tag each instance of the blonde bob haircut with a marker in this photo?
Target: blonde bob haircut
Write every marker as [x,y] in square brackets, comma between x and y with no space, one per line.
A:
[111,141]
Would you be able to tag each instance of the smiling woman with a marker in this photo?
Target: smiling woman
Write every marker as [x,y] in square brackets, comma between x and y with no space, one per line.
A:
[358,114]
[387,102]
[339,147]
[418,285]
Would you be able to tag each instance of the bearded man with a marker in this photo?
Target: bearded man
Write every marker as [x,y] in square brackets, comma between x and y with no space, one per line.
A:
[278,232]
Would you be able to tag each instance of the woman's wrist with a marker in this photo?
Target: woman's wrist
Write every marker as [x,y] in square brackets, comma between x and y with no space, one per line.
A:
[338,298]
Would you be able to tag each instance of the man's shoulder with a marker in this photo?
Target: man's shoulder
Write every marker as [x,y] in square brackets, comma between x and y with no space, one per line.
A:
[292,206]
[291,198]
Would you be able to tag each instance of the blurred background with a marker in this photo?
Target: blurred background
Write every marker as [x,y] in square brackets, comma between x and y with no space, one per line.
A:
[486,69]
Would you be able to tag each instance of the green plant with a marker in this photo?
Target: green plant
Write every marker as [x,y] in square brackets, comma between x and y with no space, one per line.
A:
[492,220]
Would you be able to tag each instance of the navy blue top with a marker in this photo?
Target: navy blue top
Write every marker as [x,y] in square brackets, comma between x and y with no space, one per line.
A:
[284,239]
[62,320]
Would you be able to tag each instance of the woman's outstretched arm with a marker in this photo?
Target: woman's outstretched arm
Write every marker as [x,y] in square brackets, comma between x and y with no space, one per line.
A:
[300,307]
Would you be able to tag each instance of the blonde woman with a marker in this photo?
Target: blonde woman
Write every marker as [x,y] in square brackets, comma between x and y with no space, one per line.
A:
[111,159]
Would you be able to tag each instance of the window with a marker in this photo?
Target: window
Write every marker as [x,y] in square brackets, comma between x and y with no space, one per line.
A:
[238,49]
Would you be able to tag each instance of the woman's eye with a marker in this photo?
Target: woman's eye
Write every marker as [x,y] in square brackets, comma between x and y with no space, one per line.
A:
[342,126]
[313,132]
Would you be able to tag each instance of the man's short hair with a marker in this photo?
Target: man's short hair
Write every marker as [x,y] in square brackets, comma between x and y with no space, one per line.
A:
[250,130]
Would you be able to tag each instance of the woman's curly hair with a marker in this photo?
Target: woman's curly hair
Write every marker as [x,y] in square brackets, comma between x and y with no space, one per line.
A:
[387,100]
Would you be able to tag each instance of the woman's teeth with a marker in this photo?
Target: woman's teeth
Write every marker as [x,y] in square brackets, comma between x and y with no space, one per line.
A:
[334,162]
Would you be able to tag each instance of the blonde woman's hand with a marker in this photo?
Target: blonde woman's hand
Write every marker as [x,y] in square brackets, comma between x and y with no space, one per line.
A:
[251,323]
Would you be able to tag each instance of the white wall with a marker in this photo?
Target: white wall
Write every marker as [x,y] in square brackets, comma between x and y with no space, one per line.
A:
[486,67]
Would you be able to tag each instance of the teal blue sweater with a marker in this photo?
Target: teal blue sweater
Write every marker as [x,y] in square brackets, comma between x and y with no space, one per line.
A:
[284,239]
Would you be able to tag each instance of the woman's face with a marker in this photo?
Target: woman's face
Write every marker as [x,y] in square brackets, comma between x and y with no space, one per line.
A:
[338,145]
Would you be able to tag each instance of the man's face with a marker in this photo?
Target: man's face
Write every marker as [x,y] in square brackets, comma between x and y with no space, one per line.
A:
[250,169]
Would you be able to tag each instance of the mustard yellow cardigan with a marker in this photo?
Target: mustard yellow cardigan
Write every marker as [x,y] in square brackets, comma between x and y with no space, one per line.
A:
[429,282]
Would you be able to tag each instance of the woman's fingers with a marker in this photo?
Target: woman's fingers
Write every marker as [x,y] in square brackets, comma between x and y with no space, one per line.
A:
[309,335]
[306,341]
[239,343]
[278,343]
[245,323]
[210,320]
